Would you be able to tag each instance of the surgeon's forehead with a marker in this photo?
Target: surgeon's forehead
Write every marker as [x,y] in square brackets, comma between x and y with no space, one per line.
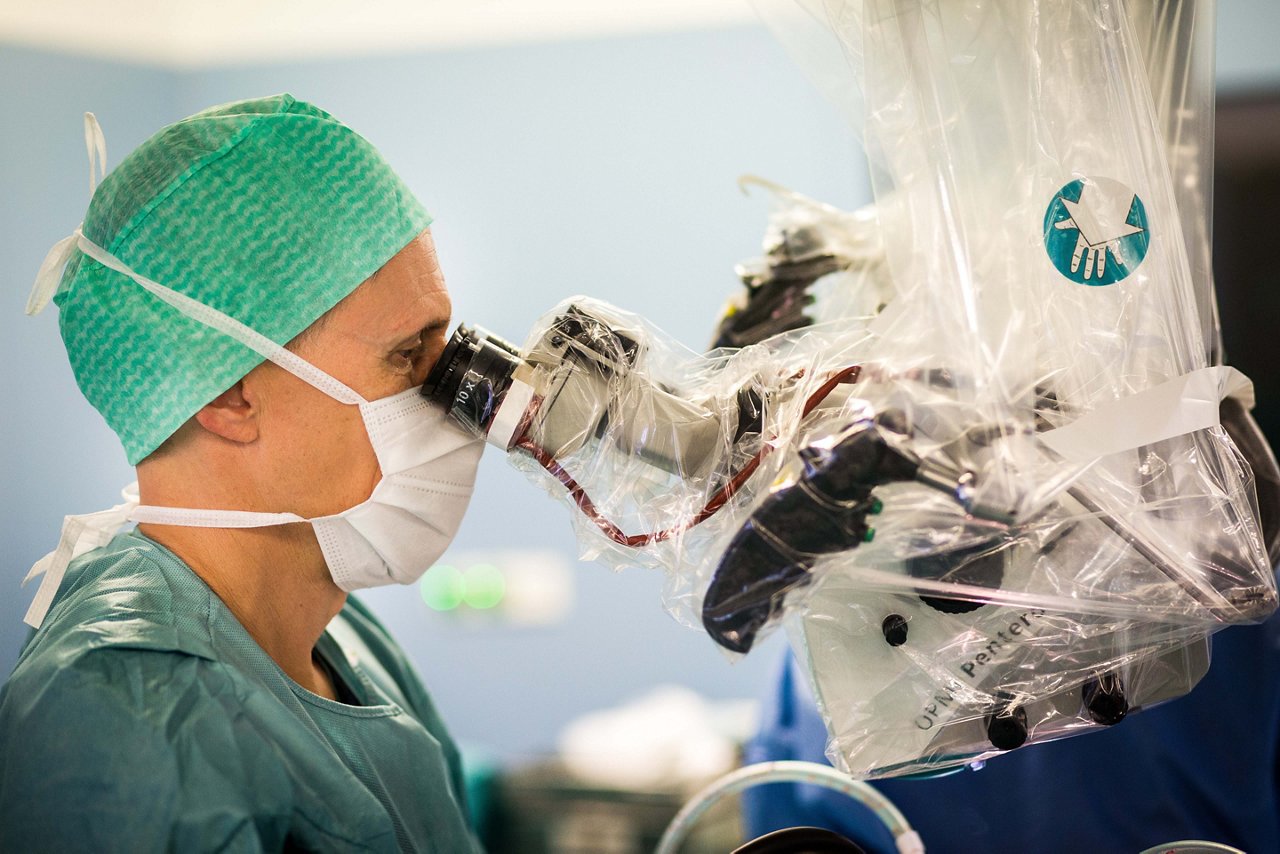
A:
[408,294]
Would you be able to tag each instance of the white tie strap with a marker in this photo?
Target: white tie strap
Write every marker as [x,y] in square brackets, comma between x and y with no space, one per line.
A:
[80,535]
[50,274]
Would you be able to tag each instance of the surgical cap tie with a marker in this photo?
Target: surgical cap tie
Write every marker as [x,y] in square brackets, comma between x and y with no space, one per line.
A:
[80,535]
[50,274]
[96,144]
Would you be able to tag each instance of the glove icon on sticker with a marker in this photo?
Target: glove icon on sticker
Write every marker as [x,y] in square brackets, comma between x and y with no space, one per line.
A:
[1095,231]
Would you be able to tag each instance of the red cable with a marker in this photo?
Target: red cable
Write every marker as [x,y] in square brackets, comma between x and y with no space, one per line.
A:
[722,496]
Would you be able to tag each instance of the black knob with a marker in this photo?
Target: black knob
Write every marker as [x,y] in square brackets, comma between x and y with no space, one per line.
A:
[1105,700]
[1007,728]
[895,629]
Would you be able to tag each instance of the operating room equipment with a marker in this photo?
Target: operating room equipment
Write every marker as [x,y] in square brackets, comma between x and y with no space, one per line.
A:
[908,841]
[1089,669]
[967,443]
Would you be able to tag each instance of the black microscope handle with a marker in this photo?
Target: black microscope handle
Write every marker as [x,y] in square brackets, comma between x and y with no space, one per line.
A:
[822,513]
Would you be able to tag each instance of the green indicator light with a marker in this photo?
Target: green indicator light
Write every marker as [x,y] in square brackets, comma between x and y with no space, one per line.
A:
[869,535]
[876,506]
[483,586]
[442,587]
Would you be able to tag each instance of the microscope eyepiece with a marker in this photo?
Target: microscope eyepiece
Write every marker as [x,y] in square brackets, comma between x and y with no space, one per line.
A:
[472,376]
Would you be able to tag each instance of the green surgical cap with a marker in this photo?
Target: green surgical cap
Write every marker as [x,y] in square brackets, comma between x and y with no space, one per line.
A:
[270,211]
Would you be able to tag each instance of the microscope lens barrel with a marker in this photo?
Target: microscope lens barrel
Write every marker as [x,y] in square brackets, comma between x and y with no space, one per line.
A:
[472,376]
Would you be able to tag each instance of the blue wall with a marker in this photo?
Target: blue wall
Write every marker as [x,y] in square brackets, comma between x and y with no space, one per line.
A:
[1248,32]
[604,167]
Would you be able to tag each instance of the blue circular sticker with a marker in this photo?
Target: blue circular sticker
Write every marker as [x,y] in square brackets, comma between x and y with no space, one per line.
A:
[1095,231]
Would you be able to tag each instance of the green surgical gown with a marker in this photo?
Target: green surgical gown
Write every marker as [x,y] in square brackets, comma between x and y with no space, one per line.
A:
[142,717]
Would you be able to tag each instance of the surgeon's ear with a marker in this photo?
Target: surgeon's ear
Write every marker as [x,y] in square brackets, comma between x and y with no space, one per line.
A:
[231,415]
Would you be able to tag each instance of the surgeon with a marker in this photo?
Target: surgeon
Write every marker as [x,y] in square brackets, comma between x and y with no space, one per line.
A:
[251,303]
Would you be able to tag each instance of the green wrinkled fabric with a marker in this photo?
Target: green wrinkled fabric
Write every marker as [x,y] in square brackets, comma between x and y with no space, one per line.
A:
[268,210]
[142,717]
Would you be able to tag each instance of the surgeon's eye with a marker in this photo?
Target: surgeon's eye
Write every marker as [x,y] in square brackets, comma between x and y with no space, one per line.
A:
[404,360]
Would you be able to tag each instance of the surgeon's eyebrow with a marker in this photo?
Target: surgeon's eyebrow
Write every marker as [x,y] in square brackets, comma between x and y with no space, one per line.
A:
[436,325]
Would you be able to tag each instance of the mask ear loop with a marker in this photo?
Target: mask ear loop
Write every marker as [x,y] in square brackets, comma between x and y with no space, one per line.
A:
[227,325]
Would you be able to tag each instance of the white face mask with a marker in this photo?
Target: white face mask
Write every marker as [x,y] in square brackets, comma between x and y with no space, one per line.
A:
[397,533]
[428,473]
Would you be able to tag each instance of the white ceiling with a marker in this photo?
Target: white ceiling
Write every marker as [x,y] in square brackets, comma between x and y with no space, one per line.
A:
[205,33]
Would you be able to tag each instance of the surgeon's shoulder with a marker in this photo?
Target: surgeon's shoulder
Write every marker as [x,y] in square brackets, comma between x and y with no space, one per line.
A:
[117,749]
[130,594]
[126,651]
[110,671]
[121,674]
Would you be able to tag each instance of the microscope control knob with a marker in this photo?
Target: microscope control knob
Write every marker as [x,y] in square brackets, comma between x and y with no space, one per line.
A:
[894,628]
[1105,699]
[1007,728]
